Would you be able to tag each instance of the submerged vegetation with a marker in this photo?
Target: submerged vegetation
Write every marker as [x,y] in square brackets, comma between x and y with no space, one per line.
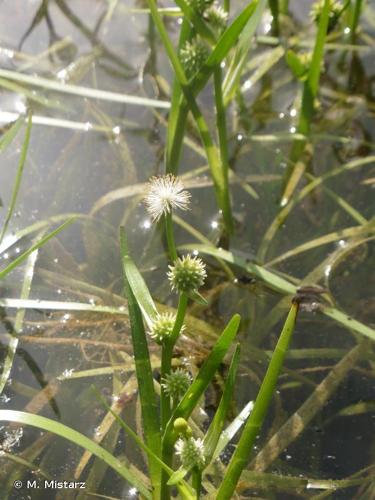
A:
[186,256]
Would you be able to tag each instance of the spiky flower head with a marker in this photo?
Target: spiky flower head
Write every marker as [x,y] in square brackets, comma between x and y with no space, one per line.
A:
[175,384]
[199,5]
[165,194]
[193,55]
[162,327]
[187,274]
[191,452]
[335,9]
[216,16]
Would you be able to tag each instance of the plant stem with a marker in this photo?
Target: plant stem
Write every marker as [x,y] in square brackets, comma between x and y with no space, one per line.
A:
[165,402]
[166,357]
[284,7]
[213,159]
[197,481]
[310,90]
[177,116]
[170,237]
[355,20]
[221,121]
[240,457]
[274,7]
[181,311]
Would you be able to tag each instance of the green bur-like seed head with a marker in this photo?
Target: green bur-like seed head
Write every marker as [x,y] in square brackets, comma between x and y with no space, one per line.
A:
[162,327]
[187,274]
[191,452]
[175,384]
[193,55]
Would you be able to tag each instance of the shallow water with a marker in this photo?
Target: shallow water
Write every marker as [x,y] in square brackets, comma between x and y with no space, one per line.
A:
[77,167]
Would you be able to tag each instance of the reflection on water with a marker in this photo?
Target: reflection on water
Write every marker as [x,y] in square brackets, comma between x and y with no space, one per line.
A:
[90,156]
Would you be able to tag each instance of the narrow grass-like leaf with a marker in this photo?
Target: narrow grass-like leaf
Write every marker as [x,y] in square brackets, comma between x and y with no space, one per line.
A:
[274,281]
[16,262]
[13,341]
[310,91]
[267,62]
[290,430]
[234,73]
[274,7]
[196,20]
[355,19]
[348,232]
[310,187]
[345,205]
[241,455]
[207,370]
[150,416]
[200,384]
[49,121]
[185,489]
[267,481]
[214,431]
[139,289]
[56,305]
[228,434]
[178,475]
[227,41]
[17,183]
[282,285]
[30,95]
[86,92]
[78,439]
[11,133]
[177,115]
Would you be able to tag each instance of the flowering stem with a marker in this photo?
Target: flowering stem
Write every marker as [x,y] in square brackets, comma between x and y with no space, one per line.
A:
[355,19]
[166,358]
[166,364]
[284,7]
[197,481]
[181,311]
[221,122]
[170,237]
[274,7]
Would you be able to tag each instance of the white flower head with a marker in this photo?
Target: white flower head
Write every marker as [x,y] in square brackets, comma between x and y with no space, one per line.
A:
[191,452]
[164,194]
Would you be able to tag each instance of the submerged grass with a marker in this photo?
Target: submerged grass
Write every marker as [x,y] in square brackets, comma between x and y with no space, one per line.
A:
[17,183]
[310,92]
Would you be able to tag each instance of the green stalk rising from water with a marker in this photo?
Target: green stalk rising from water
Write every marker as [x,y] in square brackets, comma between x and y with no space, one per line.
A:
[240,457]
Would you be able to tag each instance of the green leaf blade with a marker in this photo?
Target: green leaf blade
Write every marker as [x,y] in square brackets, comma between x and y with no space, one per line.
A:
[77,438]
[150,416]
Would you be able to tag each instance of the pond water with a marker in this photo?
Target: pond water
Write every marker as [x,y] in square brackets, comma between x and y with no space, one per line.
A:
[90,155]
